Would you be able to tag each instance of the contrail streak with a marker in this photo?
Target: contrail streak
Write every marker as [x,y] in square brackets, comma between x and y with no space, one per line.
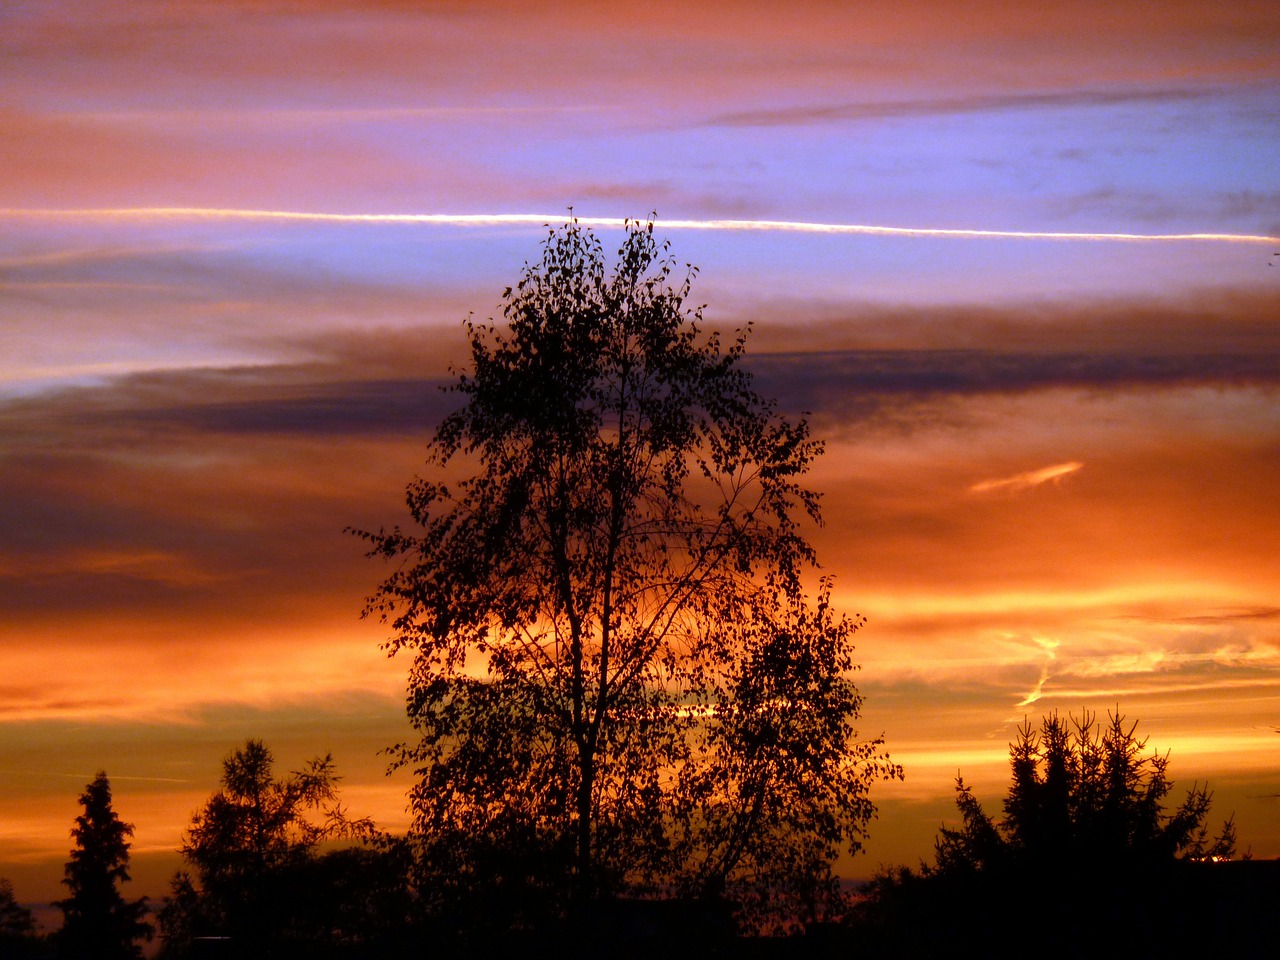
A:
[539,219]
[1032,478]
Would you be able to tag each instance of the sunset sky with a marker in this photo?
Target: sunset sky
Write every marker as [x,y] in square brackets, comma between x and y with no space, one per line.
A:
[1052,478]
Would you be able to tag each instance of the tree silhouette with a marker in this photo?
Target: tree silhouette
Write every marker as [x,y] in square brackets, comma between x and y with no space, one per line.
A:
[252,850]
[618,682]
[18,937]
[1087,794]
[1085,861]
[766,815]
[16,921]
[99,924]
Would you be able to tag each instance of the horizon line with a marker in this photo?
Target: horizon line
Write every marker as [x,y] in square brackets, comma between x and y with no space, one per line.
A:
[537,219]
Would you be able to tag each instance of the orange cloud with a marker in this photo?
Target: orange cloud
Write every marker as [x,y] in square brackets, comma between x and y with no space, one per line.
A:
[1031,478]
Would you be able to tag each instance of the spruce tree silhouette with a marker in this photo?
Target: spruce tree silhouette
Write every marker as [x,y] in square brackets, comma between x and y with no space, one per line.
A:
[99,924]
[1085,861]
[1083,795]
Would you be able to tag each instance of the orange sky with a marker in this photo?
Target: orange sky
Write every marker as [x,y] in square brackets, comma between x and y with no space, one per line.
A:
[1051,467]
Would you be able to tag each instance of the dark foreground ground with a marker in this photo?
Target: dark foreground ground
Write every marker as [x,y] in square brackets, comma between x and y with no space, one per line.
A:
[1226,910]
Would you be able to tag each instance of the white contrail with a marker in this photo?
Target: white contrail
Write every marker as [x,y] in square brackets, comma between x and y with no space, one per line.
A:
[540,219]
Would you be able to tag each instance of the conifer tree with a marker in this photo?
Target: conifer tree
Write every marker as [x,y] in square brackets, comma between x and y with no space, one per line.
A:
[16,921]
[99,923]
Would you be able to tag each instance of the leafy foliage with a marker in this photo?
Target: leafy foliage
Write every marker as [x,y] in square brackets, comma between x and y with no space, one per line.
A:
[252,849]
[98,922]
[618,683]
[787,785]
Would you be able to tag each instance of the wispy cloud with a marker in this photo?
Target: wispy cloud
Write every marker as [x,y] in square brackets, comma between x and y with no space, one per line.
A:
[1214,618]
[1031,478]
[1049,647]
[917,107]
[237,117]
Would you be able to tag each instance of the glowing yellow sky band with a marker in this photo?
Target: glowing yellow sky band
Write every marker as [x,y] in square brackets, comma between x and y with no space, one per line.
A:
[539,219]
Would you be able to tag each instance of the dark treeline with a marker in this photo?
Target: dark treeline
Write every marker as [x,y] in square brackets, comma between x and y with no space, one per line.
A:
[1090,858]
